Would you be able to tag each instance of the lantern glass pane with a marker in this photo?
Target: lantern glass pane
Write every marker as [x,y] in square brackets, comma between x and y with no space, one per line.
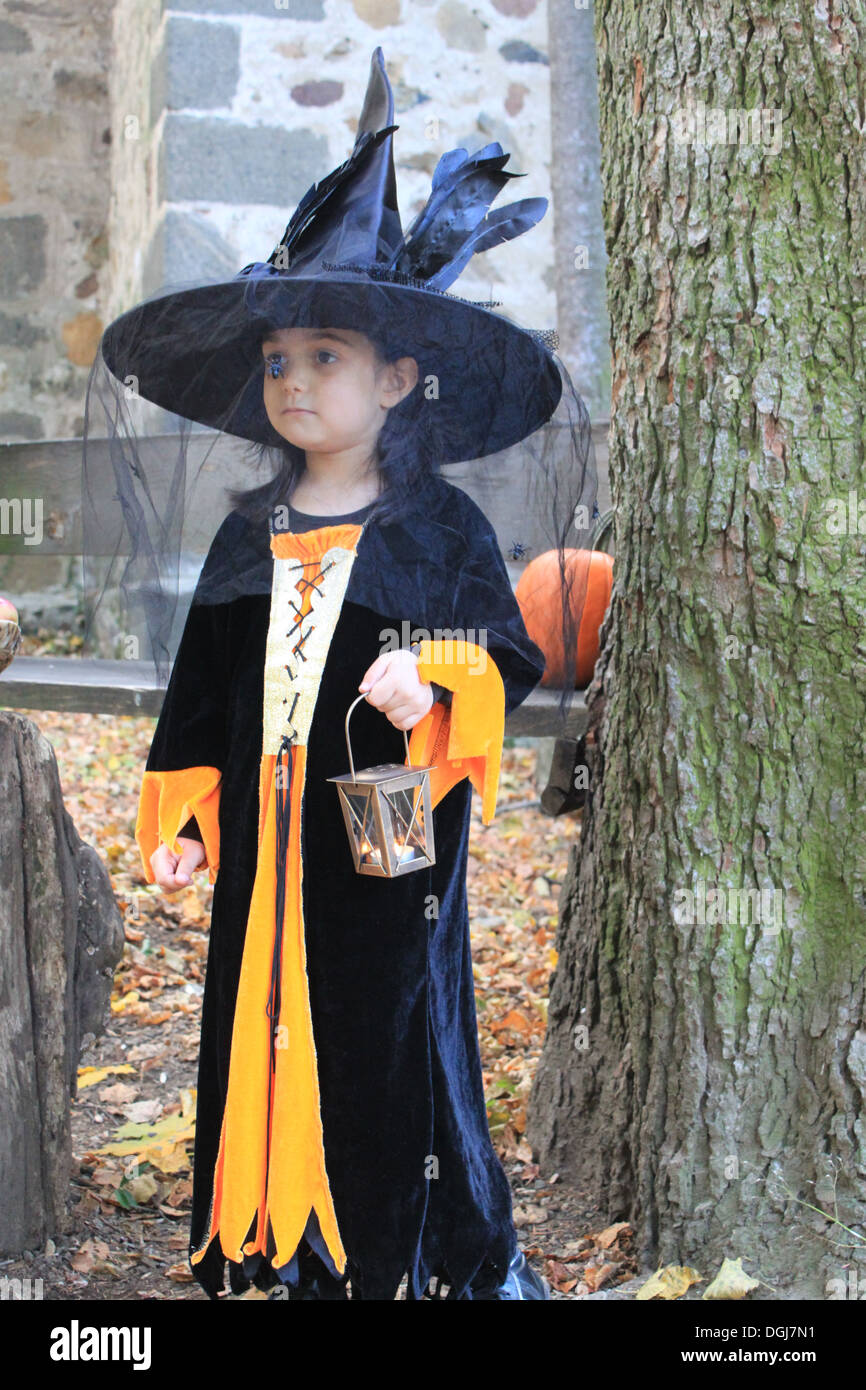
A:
[364,826]
[403,812]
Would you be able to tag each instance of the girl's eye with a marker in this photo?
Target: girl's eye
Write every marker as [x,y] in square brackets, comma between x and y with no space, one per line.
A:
[327,352]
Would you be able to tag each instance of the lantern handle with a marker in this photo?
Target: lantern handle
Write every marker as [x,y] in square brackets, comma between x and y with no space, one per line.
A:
[349,744]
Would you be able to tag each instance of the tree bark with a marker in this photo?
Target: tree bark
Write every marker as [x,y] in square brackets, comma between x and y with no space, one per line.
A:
[61,935]
[704,1071]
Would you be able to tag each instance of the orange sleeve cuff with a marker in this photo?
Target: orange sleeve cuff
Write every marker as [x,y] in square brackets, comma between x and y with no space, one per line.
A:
[464,739]
[166,803]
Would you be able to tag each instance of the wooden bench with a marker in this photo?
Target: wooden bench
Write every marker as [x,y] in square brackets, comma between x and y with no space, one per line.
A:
[87,686]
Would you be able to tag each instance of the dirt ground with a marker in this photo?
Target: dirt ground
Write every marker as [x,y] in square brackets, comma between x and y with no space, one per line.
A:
[128,1220]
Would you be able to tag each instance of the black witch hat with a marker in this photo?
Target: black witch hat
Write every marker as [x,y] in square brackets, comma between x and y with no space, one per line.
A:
[345,261]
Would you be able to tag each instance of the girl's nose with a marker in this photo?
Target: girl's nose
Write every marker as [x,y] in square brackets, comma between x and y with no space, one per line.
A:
[295,381]
[293,387]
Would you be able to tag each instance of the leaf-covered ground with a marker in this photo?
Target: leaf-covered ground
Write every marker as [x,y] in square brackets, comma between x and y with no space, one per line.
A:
[133,1121]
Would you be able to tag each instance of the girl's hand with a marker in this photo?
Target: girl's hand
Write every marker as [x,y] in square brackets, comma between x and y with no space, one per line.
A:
[393,685]
[174,871]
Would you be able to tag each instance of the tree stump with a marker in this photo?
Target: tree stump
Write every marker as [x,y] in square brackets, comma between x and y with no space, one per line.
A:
[61,935]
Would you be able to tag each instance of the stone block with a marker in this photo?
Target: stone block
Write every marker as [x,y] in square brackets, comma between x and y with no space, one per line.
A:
[184,249]
[17,331]
[81,336]
[22,255]
[202,63]
[209,160]
[14,39]
[517,51]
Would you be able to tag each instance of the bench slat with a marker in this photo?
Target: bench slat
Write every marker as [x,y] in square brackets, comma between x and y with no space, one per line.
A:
[77,684]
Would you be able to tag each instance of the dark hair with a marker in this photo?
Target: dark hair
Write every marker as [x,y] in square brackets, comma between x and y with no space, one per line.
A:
[405,456]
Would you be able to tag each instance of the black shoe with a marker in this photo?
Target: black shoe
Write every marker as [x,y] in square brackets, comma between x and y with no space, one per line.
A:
[521,1285]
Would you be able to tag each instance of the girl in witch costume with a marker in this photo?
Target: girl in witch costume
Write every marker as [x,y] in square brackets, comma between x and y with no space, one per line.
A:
[341,1134]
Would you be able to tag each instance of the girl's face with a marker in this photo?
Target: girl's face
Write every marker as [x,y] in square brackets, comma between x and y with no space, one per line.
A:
[325,389]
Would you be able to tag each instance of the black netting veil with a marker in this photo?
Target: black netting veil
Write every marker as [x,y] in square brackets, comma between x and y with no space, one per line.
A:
[179,438]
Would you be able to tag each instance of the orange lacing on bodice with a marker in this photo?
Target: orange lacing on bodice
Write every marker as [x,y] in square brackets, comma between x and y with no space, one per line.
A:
[308,548]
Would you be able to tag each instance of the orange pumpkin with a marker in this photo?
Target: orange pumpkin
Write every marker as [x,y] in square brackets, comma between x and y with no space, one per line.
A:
[539,597]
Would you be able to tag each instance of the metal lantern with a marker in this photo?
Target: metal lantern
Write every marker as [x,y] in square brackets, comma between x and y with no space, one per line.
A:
[387,813]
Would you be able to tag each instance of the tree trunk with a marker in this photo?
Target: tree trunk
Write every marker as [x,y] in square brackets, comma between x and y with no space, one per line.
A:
[704,1071]
[61,935]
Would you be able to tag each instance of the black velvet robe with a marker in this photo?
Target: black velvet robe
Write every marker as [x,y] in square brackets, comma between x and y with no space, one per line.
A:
[390,987]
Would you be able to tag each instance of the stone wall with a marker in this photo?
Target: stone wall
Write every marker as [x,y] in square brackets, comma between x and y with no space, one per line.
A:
[261,99]
[55,154]
[153,143]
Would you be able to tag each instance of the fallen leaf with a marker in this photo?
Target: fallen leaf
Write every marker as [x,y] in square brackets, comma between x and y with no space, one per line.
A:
[594,1276]
[121,1093]
[732,1281]
[611,1235]
[156,1130]
[145,1051]
[192,908]
[91,1076]
[106,1177]
[162,1144]
[143,1110]
[514,1020]
[88,1255]
[180,1192]
[577,1249]
[143,1187]
[169,1160]
[529,1215]
[118,1006]
[670,1282]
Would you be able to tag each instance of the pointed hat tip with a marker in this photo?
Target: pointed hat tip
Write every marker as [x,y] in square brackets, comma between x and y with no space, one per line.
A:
[378,108]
